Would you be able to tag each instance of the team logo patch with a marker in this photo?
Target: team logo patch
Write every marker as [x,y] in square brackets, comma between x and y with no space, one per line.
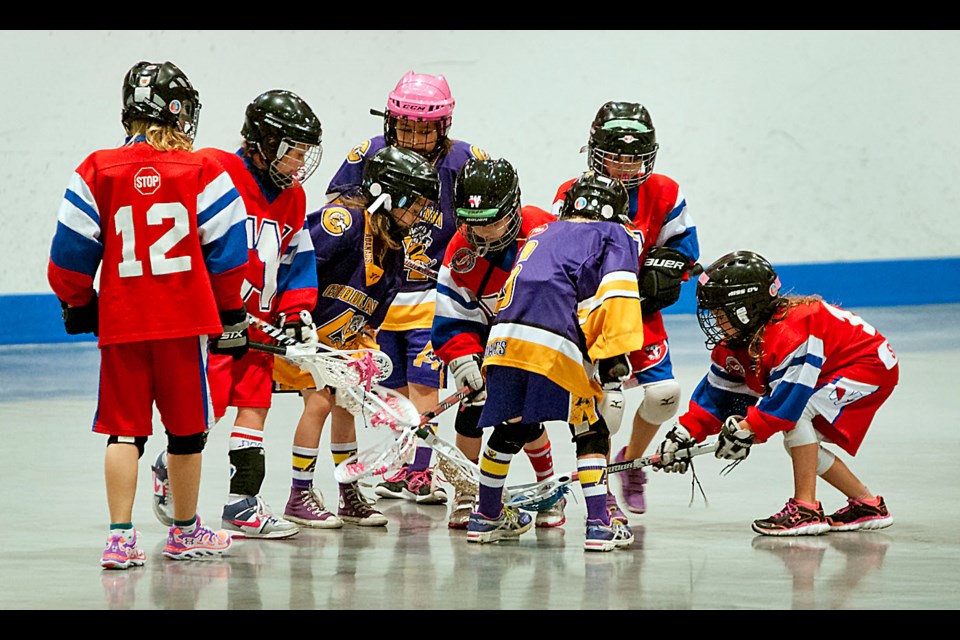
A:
[463,260]
[732,365]
[175,107]
[336,221]
[474,201]
[840,396]
[146,181]
[356,154]
[580,203]
[775,288]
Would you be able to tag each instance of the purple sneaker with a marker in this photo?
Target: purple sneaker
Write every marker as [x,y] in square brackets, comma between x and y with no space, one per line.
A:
[203,542]
[614,509]
[122,552]
[631,482]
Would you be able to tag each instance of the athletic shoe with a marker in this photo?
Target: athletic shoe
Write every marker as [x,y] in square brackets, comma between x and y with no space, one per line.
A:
[857,515]
[162,497]
[305,507]
[203,542]
[463,504]
[509,524]
[631,483]
[122,552]
[419,487]
[552,517]
[607,537]
[614,509]
[355,509]
[393,486]
[793,520]
[251,518]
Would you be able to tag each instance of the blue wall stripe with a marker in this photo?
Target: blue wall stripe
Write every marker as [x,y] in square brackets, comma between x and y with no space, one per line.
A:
[35,318]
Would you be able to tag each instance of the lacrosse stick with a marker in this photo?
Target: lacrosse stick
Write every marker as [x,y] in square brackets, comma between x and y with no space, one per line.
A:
[379,460]
[383,364]
[326,370]
[539,496]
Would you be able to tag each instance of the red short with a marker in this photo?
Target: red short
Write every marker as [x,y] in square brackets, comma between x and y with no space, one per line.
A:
[247,382]
[170,373]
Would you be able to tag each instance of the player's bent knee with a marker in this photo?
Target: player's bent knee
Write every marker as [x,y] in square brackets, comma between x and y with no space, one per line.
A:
[592,439]
[140,442]
[660,401]
[536,430]
[825,460]
[466,422]
[186,445]
[508,438]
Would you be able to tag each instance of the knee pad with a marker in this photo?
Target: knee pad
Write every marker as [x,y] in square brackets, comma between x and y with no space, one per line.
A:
[467,420]
[508,438]
[247,470]
[140,442]
[660,401]
[186,445]
[593,439]
[536,430]
[825,460]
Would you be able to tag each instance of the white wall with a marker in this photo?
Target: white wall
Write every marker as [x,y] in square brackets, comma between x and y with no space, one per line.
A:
[807,146]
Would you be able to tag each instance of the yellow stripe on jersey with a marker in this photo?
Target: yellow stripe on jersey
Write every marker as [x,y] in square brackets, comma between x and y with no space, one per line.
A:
[411,310]
[611,319]
[545,360]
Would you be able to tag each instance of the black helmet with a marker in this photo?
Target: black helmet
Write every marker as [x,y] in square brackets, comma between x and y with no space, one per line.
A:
[596,197]
[159,91]
[745,287]
[486,192]
[397,177]
[623,129]
[278,122]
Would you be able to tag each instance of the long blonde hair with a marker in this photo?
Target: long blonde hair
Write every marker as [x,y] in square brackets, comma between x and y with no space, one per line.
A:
[162,137]
[781,310]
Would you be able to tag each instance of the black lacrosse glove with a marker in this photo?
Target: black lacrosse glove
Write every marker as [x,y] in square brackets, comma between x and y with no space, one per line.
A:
[234,340]
[660,278]
[613,369]
[85,319]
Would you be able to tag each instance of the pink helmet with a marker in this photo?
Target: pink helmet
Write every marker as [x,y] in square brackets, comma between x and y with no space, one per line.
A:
[422,98]
[419,96]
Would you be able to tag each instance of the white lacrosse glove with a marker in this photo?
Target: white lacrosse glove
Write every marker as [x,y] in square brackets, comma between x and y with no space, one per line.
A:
[466,371]
[678,439]
[733,443]
[611,406]
[300,327]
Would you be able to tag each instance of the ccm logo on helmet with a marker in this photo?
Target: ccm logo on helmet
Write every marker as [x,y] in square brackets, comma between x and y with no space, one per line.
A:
[663,262]
[146,181]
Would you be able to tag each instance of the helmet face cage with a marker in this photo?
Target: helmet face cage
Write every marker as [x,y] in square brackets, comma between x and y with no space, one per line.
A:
[160,92]
[419,98]
[623,143]
[294,162]
[596,197]
[487,201]
[285,131]
[736,296]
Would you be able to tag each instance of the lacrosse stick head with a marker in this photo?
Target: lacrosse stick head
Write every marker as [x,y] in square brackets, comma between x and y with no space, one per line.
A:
[538,496]
[379,407]
[378,460]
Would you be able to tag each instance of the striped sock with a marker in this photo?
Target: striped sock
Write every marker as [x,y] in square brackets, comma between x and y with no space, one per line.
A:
[304,465]
[542,461]
[494,466]
[593,482]
[424,453]
[342,450]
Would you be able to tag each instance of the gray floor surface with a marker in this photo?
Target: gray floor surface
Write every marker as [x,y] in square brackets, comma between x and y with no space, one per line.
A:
[689,553]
